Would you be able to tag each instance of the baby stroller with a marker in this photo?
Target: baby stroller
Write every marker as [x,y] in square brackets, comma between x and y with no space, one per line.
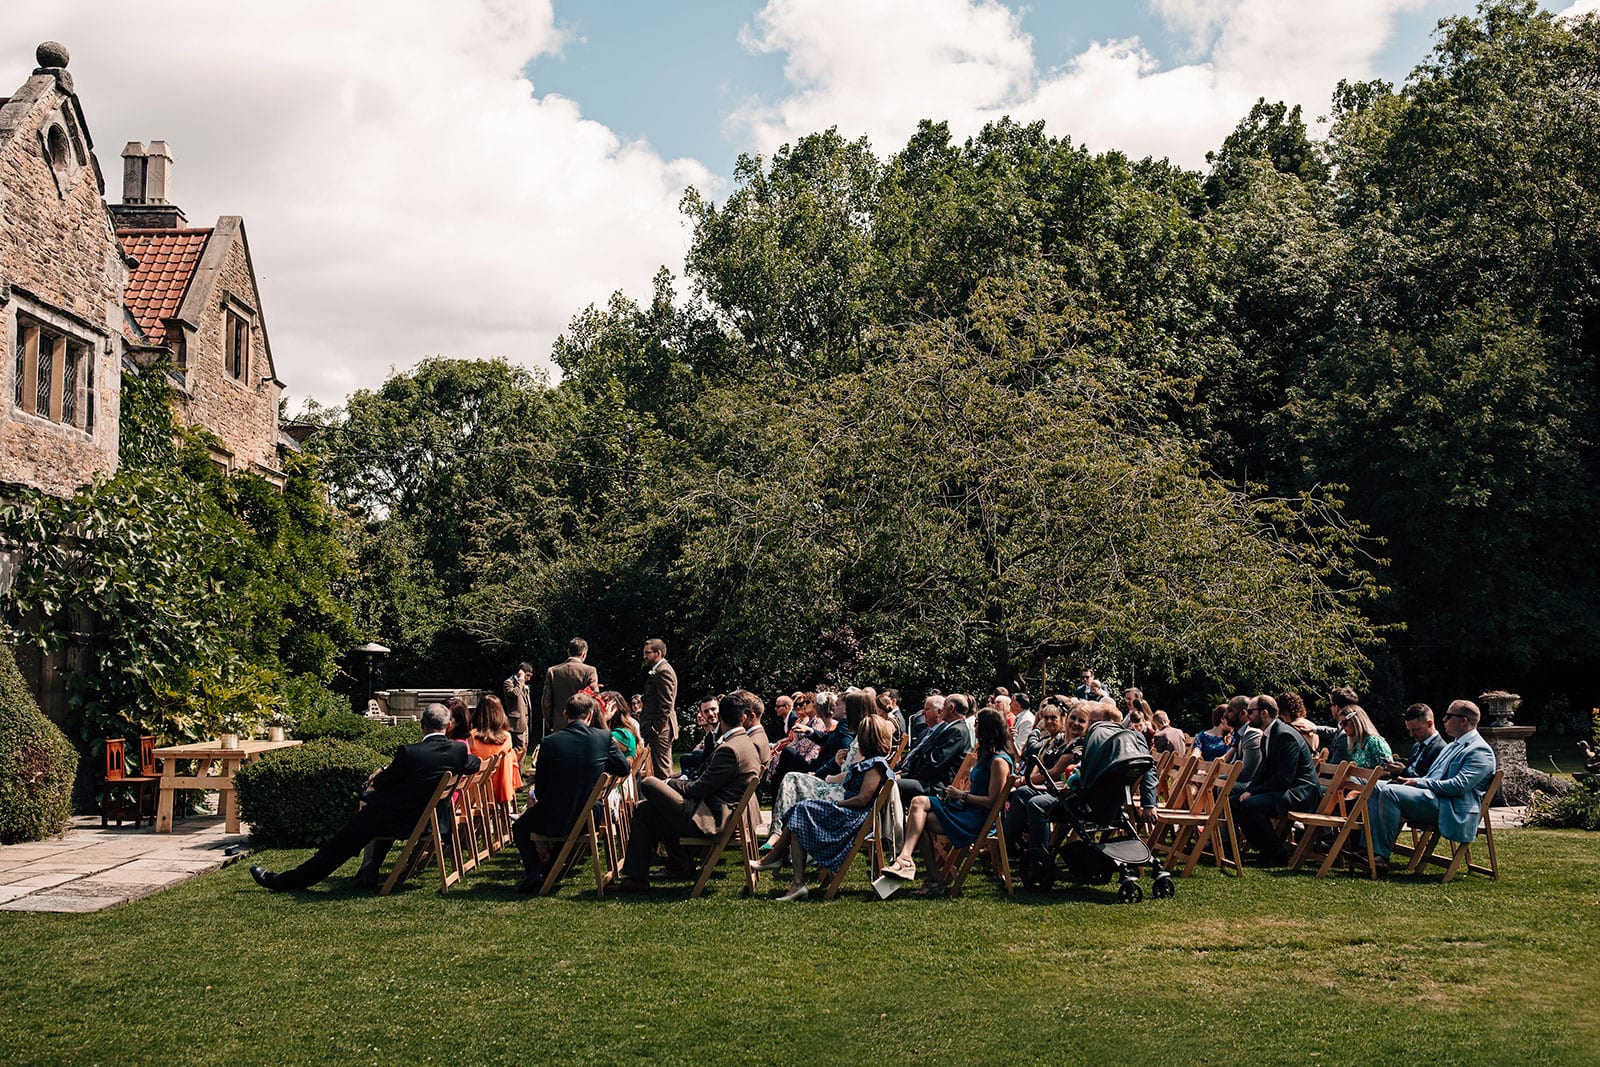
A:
[1103,841]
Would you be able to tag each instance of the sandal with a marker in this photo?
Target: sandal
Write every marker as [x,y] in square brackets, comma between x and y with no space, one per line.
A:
[905,870]
[931,887]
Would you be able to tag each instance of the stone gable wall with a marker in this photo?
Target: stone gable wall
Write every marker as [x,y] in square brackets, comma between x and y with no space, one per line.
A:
[64,253]
[244,414]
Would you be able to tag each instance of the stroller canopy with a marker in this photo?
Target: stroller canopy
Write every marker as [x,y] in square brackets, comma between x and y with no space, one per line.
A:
[1110,749]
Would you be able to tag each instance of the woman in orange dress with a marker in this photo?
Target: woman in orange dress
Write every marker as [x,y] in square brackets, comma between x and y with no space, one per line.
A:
[491,733]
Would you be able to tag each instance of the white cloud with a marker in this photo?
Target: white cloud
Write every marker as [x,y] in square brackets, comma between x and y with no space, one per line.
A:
[405,190]
[877,66]
[1581,9]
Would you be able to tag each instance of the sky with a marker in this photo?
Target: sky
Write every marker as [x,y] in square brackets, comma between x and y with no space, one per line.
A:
[462,177]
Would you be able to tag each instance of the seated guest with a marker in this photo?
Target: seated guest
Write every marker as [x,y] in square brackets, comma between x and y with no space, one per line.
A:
[1246,735]
[571,760]
[797,787]
[669,810]
[1285,780]
[1213,743]
[1426,744]
[705,717]
[1367,747]
[824,828]
[1449,796]
[889,707]
[1022,726]
[956,813]
[491,733]
[783,715]
[937,755]
[1333,738]
[460,728]
[1292,710]
[1165,737]
[932,715]
[1135,710]
[756,732]
[624,727]
[1057,753]
[817,747]
[797,733]
[394,801]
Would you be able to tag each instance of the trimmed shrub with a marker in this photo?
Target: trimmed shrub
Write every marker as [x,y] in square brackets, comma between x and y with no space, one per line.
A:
[297,797]
[348,726]
[37,763]
[1579,810]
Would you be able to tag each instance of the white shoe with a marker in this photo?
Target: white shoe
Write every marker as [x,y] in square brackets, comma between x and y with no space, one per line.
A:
[771,863]
[799,892]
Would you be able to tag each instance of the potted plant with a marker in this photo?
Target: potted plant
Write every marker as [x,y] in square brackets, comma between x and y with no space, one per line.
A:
[233,724]
[279,722]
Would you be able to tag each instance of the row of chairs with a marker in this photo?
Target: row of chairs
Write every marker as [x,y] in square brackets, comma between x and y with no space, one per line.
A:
[1195,819]
[478,826]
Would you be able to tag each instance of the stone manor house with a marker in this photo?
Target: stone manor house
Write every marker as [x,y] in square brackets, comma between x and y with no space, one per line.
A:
[91,292]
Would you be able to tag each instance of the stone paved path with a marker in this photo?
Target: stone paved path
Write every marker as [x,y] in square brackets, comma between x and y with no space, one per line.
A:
[87,868]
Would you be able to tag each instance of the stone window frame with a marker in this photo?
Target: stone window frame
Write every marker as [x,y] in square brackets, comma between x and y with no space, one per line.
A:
[235,314]
[74,350]
[62,151]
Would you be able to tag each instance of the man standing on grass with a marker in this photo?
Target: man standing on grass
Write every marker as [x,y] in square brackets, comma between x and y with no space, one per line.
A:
[519,706]
[658,717]
[1450,796]
[571,675]
[391,806]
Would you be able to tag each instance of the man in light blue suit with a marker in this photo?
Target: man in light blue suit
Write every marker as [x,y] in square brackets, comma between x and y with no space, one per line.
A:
[1451,794]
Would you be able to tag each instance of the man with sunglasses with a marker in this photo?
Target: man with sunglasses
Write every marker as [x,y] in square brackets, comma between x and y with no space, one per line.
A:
[1451,795]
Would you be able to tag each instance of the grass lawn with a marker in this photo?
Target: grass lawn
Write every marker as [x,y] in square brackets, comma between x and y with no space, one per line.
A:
[1272,968]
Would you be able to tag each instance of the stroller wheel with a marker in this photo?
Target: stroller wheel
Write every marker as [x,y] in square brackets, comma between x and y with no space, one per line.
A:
[1163,887]
[1129,892]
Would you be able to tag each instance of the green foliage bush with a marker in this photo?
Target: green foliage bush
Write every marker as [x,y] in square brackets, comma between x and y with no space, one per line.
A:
[346,725]
[1577,810]
[37,763]
[297,797]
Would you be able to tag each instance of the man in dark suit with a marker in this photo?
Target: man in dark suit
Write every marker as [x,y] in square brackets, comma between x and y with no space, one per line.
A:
[1285,780]
[569,676]
[669,809]
[754,710]
[519,706]
[391,806]
[937,755]
[1426,744]
[658,718]
[692,762]
[571,760]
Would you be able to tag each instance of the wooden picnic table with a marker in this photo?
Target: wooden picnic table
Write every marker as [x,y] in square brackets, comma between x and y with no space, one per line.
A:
[215,769]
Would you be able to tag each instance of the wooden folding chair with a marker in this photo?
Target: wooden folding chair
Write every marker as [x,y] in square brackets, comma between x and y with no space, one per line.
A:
[1185,834]
[124,795]
[584,831]
[990,842]
[1425,839]
[963,776]
[468,846]
[832,881]
[1343,811]
[741,825]
[900,747]
[423,844]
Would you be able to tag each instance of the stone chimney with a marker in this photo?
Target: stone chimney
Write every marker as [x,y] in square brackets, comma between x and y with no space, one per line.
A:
[147,189]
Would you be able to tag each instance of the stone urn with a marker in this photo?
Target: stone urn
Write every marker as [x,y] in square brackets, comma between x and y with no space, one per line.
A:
[1499,707]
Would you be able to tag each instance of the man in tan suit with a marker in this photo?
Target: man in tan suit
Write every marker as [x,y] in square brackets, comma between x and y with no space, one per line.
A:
[658,719]
[518,703]
[669,809]
[564,680]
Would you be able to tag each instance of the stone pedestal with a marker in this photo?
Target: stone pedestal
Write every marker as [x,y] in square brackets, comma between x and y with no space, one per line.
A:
[1510,744]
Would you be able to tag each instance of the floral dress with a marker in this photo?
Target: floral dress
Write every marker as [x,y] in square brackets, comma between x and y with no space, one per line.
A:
[825,828]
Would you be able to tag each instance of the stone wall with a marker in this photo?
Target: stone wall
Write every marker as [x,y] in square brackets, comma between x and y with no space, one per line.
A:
[242,412]
[59,263]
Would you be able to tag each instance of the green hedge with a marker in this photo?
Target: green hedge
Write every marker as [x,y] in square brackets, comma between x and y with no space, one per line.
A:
[348,726]
[37,763]
[1577,810]
[297,797]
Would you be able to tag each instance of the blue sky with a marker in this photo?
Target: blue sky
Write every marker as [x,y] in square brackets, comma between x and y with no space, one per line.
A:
[670,74]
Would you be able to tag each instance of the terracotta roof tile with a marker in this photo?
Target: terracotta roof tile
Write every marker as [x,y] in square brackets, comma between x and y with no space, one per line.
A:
[167,259]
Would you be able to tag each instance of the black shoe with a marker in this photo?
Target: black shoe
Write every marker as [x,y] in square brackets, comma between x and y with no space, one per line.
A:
[1275,858]
[369,879]
[264,878]
[674,874]
[530,884]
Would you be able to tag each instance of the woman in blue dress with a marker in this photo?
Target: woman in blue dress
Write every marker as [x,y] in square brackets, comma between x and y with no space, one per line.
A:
[824,829]
[956,813]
